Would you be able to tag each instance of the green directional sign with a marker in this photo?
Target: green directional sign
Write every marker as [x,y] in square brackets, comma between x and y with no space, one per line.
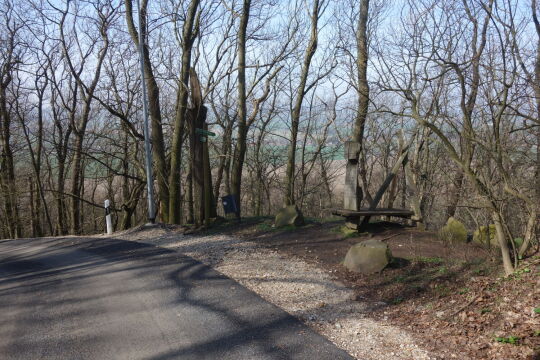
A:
[204,132]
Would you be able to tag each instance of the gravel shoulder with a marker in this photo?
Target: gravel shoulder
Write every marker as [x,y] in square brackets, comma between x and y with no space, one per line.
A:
[302,289]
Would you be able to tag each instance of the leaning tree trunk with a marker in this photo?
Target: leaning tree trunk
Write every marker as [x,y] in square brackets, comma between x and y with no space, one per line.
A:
[503,242]
[80,123]
[402,159]
[158,144]
[300,94]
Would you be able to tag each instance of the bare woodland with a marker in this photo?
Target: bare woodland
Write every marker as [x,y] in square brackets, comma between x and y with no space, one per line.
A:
[446,94]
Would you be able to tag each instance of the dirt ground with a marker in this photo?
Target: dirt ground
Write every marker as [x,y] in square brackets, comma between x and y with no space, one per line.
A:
[453,298]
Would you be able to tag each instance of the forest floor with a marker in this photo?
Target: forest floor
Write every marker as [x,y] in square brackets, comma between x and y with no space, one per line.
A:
[435,301]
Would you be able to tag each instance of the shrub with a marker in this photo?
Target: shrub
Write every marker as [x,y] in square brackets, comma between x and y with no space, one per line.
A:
[518,242]
[453,232]
[486,236]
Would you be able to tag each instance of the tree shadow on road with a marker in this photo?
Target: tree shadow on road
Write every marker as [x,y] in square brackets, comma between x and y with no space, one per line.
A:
[220,318]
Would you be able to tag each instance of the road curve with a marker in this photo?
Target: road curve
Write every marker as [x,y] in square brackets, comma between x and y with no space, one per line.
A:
[89,298]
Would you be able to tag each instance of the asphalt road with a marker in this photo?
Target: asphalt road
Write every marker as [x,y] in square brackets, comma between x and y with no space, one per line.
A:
[87,298]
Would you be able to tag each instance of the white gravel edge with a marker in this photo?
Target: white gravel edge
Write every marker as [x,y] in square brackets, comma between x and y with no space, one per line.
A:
[301,289]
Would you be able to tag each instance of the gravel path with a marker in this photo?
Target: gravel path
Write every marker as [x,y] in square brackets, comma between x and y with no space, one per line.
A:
[301,289]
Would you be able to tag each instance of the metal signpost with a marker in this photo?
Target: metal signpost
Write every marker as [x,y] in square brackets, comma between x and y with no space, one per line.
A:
[147,148]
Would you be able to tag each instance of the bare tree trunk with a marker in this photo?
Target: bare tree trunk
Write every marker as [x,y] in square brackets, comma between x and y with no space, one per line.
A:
[129,206]
[93,199]
[503,243]
[37,155]
[210,210]
[158,144]
[35,209]
[79,126]
[60,199]
[392,194]
[455,195]
[189,33]
[33,218]
[6,160]
[300,94]
[82,192]
[191,210]
[413,193]
[536,87]
[224,161]
[76,184]
[200,161]
[197,170]
[468,100]
[326,182]
[240,146]
[529,232]
[363,91]
[361,69]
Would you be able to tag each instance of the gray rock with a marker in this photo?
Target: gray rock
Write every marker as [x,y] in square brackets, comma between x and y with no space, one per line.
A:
[289,215]
[368,257]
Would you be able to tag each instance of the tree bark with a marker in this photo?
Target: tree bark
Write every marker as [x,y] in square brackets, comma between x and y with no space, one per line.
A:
[455,195]
[189,34]
[363,91]
[224,160]
[200,163]
[7,169]
[130,205]
[300,94]
[240,146]
[80,125]
[536,87]
[158,144]
[503,243]
[361,69]
[76,184]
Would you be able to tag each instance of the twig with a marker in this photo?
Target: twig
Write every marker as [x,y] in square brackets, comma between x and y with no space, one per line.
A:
[389,237]
[467,304]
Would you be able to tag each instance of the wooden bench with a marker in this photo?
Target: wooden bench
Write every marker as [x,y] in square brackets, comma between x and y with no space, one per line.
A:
[352,217]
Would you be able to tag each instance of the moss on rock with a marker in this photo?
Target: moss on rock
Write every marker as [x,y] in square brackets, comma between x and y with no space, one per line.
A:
[289,215]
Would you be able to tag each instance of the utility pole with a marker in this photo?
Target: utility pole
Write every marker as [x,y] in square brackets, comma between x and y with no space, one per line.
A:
[147,148]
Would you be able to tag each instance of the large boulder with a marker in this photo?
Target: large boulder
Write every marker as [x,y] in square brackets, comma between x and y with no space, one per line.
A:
[453,232]
[368,257]
[289,215]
